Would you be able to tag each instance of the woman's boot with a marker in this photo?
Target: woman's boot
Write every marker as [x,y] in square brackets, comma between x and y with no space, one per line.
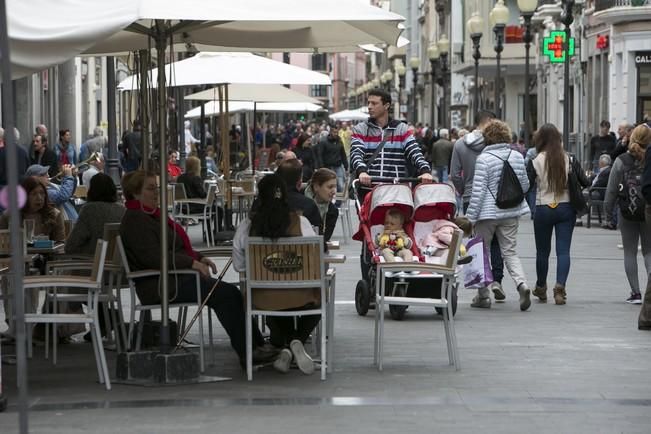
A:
[541,293]
[560,296]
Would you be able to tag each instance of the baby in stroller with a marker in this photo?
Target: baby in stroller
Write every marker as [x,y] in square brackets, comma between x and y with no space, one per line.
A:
[393,241]
[436,244]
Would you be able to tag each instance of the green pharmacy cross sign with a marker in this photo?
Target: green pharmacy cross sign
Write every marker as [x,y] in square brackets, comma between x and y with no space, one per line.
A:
[553,47]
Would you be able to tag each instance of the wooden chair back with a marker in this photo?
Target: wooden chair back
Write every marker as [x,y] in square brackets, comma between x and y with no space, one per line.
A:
[179,191]
[111,232]
[453,252]
[81,192]
[289,262]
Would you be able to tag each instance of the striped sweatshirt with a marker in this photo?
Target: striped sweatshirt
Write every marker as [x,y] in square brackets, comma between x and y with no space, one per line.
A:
[400,147]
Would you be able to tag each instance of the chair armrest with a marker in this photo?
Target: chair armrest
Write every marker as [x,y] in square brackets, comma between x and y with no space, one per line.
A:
[153,273]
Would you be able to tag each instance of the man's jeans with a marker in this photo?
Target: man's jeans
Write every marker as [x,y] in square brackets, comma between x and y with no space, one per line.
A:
[341,177]
[497,264]
[441,173]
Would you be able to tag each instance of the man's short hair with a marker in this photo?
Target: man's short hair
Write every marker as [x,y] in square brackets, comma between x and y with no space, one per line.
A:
[483,116]
[383,94]
[444,133]
[291,171]
[605,159]
[604,124]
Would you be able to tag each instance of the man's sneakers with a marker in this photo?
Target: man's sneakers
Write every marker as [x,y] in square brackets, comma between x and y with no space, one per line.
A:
[525,296]
[482,299]
[283,361]
[498,292]
[634,298]
[302,359]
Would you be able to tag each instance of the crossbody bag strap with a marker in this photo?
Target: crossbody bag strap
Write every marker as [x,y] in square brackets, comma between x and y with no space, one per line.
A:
[376,152]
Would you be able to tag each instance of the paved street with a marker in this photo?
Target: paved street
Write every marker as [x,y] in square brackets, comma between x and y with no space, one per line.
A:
[578,368]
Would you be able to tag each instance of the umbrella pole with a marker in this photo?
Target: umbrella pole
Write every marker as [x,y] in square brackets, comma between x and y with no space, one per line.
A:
[251,159]
[161,43]
[17,257]
[113,162]
[202,137]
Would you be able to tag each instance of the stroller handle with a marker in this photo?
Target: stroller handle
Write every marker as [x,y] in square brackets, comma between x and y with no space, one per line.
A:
[378,180]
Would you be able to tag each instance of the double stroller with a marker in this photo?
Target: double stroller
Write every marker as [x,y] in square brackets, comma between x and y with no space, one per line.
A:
[422,207]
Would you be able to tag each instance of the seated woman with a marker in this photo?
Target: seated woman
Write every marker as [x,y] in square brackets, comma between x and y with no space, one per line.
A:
[323,188]
[101,207]
[193,184]
[273,219]
[47,221]
[140,233]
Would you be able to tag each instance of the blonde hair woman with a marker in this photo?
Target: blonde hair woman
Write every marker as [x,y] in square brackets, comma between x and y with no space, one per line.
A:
[627,169]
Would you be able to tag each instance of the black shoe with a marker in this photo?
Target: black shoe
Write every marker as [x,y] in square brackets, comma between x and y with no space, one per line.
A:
[644,326]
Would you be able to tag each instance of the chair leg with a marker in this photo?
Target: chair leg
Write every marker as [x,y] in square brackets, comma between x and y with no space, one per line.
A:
[324,334]
[55,334]
[210,338]
[120,312]
[202,356]
[97,338]
[249,341]
[141,323]
[132,324]
[331,325]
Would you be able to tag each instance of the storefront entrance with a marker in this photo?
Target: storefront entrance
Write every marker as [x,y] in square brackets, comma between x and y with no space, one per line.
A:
[643,62]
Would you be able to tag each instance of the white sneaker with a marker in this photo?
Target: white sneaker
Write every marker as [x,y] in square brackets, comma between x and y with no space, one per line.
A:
[303,360]
[282,362]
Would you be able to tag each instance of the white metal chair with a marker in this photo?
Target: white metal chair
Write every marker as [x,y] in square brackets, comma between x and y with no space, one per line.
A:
[142,308]
[447,273]
[183,212]
[286,263]
[93,284]
[110,296]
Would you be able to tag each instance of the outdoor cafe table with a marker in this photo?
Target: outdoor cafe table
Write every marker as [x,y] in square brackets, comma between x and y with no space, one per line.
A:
[56,249]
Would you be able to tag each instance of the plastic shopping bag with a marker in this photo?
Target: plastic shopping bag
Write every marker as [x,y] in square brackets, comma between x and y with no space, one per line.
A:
[477,274]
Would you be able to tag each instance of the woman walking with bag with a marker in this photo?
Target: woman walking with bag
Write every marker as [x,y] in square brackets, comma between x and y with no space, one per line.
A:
[550,171]
[493,218]
[625,189]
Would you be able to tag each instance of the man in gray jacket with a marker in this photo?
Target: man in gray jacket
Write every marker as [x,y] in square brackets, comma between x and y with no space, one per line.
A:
[462,173]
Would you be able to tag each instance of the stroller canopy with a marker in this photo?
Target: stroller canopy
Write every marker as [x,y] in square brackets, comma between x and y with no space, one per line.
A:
[387,196]
[434,201]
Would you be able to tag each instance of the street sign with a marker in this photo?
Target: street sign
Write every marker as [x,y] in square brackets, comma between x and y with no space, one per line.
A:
[553,47]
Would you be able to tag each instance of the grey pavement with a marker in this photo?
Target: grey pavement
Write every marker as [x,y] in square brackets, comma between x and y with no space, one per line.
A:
[578,368]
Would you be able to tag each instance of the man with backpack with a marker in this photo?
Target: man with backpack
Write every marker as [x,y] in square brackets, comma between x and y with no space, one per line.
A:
[462,173]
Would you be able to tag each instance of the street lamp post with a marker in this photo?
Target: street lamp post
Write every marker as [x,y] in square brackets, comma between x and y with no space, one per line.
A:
[401,71]
[433,56]
[567,18]
[499,17]
[475,26]
[414,63]
[527,9]
[444,49]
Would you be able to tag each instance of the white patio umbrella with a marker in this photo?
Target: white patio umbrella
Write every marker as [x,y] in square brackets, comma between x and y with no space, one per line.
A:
[349,115]
[254,92]
[211,108]
[228,68]
[96,27]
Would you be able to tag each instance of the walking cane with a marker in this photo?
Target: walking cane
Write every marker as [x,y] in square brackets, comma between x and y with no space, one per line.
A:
[205,301]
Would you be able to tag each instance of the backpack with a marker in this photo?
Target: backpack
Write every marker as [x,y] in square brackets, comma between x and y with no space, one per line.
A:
[631,201]
[509,189]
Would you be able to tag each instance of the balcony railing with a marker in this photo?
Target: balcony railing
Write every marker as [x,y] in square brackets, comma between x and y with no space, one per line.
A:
[602,5]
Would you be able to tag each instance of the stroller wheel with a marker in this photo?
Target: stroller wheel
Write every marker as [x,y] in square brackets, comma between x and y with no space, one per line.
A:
[454,303]
[362,297]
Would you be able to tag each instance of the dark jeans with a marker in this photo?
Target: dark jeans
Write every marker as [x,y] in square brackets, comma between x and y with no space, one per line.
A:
[283,330]
[497,264]
[546,221]
[227,303]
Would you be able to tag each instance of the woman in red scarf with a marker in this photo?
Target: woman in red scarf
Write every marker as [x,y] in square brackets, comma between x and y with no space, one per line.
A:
[140,233]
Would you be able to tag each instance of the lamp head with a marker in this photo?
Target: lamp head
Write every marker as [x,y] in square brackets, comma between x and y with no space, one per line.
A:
[414,62]
[475,25]
[527,6]
[444,43]
[500,14]
[389,75]
[401,70]
[433,51]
